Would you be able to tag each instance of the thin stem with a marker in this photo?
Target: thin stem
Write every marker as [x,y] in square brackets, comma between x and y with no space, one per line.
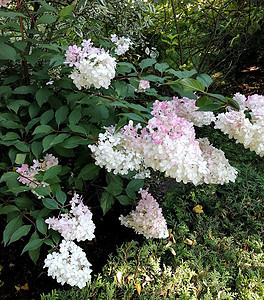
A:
[25,64]
[178,31]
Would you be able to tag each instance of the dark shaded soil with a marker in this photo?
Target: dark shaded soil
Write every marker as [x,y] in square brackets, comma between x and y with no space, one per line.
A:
[17,270]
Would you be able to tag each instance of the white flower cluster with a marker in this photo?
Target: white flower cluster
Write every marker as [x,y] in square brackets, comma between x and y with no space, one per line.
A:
[122,44]
[186,108]
[92,66]
[69,265]
[147,219]
[113,153]
[76,225]
[167,144]
[249,132]
[218,166]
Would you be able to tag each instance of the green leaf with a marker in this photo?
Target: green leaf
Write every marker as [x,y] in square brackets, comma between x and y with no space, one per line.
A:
[24,203]
[61,114]
[46,142]
[114,189]
[89,172]
[61,196]
[75,116]
[21,231]
[67,11]
[124,200]
[10,14]
[73,142]
[10,136]
[161,67]
[131,193]
[7,52]
[124,67]
[135,184]
[190,84]
[205,79]
[20,158]
[148,62]
[43,129]
[22,146]
[133,116]
[210,107]
[5,91]
[34,254]
[11,227]
[50,203]
[41,225]
[23,90]
[42,95]
[52,172]
[42,191]
[36,148]
[46,19]
[7,209]
[55,236]
[202,101]
[107,200]
[46,117]
[33,245]
[233,103]
[59,139]
[16,104]
[11,179]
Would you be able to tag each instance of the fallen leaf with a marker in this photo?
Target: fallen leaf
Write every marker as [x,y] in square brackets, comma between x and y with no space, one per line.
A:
[173,251]
[1,283]
[138,287]
[17,287]
[25,287]
[189,242]
[1,268]
[11,265]
[198,209]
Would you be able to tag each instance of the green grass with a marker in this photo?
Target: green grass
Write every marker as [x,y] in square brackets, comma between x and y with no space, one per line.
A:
[217,254]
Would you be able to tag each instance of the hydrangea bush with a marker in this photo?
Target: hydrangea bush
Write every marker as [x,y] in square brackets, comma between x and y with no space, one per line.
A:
[67,110]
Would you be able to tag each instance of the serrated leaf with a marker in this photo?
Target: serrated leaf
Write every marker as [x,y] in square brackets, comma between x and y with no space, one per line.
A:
[46,19]
[161,67]
[46,117]
[21,231]
[66,11]
[75,116]
[46,142]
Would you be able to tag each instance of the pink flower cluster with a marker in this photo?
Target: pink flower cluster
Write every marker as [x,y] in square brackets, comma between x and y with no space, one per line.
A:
[4,2]
[186,108]
[249,132]
[77,224]
[168,144]
[27,173]
[92,66]
[143,85]
[147,219]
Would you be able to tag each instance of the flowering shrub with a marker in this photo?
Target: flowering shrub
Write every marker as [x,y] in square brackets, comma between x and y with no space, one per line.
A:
[82,109]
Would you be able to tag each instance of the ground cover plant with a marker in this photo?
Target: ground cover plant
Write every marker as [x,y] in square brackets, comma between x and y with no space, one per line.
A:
[88,123]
